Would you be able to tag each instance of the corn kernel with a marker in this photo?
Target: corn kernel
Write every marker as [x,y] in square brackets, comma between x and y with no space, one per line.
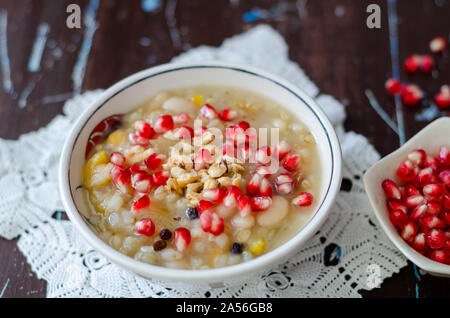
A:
[116,138]
[258,246]
[198,100]
[90,168]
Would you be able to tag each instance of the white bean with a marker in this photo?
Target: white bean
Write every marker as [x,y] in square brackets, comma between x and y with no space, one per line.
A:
[169,254]
[243,222]
[225,212]
[273,215]
[177,104]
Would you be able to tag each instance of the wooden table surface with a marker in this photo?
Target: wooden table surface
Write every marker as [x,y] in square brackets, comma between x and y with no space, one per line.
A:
[328,39]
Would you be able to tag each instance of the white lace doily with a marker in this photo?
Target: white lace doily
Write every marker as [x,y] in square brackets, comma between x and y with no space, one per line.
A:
[349,253]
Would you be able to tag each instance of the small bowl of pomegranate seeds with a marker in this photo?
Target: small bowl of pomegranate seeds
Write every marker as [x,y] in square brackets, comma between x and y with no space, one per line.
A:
[200,173]
[410,193]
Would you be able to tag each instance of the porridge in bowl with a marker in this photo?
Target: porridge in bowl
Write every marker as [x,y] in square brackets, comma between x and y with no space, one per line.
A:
[201,177]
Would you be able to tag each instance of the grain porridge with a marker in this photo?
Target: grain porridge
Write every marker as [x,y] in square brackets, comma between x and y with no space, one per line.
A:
[201,177]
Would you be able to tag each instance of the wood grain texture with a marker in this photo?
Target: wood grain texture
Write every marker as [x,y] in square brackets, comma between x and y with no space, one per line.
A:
[328,39]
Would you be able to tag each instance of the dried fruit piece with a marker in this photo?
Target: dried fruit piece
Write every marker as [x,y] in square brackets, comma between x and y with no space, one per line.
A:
[145,227]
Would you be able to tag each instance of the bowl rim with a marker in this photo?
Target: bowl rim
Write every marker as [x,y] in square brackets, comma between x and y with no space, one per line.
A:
[422,261]
[215,274]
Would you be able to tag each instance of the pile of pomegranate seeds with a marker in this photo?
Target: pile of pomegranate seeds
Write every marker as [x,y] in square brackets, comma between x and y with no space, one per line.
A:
[420,207]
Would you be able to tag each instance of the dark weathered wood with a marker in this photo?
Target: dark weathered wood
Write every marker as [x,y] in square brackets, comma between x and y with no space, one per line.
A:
[329,39]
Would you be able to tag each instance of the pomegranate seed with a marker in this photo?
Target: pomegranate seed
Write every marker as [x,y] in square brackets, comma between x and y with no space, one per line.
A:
[394,205]
[97,137]
[199,131]
[426,176]
[434,208]
[426,63]
[447,217]
[409,231]
[430,162]
[391,189]
[145,227]
[144,129]
[418,212]
[228,114]
[207,111]
[244,205]
[118,159]
[444,156]
[141,203]
[154,161]
[291,162]
[260,203]
[411,95]
[228,149]
[202,158]
[411,190]
[217,225]
[439,256]
[135,139]
[442,100]
[393,86]
[90,145]
[206,221]
[418,157]
[160,178]
[412,63]
[141,182]
[243,152]
[101,127]
[284,183]
[231,196]
[303,199]
[215,195]
[262,155]
[414,201]
[253,184]
[135,168]
[181,238]
[181,118]
[406,171]
[120,178]
[446,201]
[398,219]
[184,132]
[436,239]
[438,44]
[264,171]
[436,190]
[419,243]
[204,205]
[432,222]
[281,150]
[164,124]
[234,134]
[243,125]
[265,188]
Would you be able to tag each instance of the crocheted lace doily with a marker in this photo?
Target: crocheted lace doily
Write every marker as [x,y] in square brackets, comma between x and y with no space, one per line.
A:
[349,253]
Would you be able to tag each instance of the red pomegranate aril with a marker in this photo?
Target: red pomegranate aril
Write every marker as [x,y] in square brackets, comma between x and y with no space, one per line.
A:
[436,239]
[145,227]
[262,155]
[418,212]
[406,171]
[416,200]
[208,111]
[141,203]
[446,217]
[244,205]
[438,44]
[154,161]
[202,158]
[303,199]
[135,139]
[199,131]
[426,63]
[135,167]
[160,178]
[231,196]
[120,178]
[444,176]
[101,127]
[398,219]
[284,183]
[409,231]
[243,152]
[436,190]
[265,188]
[439,256]
[118,159]
[444,156]
[291,162]
[204,205]
[411,190]
[235,134]
[281,150]
[426,176]
[243,125]
[418,157]
[217,225]
[253,184]
[393,86]
[434,208]
[442,100]
[432,222]
[419,243]
[97,137]
[411,95]
[184,132]
[391,189]
[144,129]
[181,118]
[215,195]
[228,114]
[412,63]
[206,221]
[260,203]
[164,124]
[228,149]
[265,171]
[141,182]
[181,239]
[394,205]
[446,201]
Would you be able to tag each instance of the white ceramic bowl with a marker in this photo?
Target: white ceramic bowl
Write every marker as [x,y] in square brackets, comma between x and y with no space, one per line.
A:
[128,93]
[430,139]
